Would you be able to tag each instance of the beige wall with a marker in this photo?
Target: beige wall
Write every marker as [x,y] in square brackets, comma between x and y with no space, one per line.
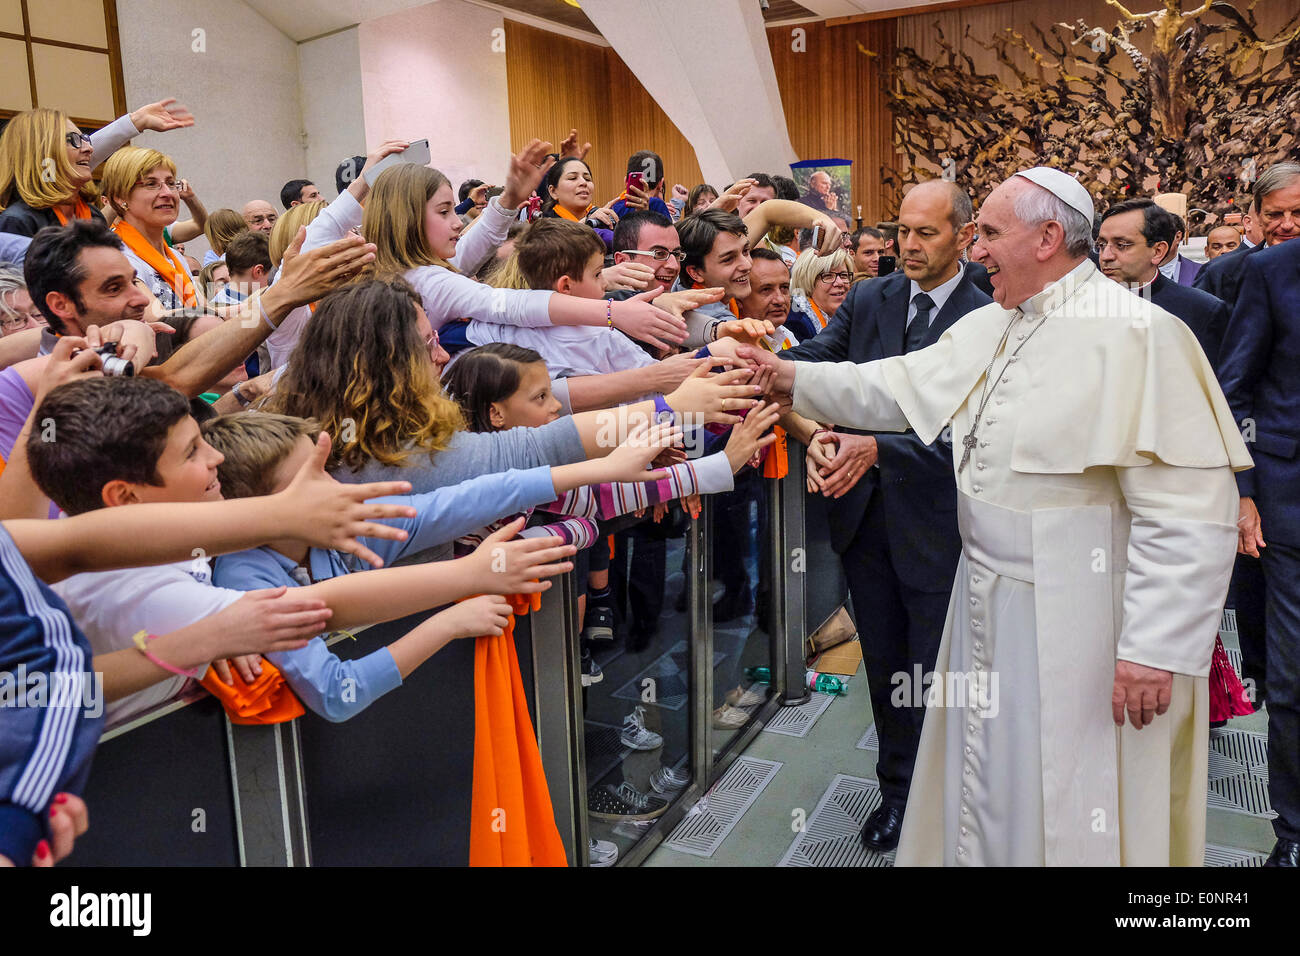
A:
[242,85]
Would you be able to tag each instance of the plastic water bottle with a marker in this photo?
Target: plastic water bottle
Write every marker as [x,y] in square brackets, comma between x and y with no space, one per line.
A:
[826,684]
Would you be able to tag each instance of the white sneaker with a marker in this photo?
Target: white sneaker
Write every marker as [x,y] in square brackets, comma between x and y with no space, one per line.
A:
[601,853]
[666,780]
[635,735]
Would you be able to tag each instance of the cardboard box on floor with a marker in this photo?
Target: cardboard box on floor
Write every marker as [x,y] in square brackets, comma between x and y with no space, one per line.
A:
[842,660]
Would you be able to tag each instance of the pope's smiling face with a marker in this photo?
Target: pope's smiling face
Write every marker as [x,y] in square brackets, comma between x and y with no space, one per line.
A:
[1014,253]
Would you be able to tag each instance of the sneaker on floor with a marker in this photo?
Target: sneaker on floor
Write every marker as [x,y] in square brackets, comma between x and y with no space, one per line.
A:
[624,802]
[667,780]
[601,853]
[635,735]
[728,717]
[591,672]
[598,625]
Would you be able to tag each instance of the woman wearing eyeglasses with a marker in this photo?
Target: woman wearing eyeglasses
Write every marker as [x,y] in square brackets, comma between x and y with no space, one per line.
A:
[142,187]
[17,313]
[818,286]
[46,163]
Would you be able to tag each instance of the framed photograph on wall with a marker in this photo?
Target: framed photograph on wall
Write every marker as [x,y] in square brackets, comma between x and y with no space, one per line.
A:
[825,185]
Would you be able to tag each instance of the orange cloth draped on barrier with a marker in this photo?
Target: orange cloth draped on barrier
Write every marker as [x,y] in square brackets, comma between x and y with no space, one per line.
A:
[512,822]
[268,700]
[170,266]
[776,463]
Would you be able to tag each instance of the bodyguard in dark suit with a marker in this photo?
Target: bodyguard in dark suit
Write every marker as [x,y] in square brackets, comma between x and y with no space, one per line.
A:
[893,517]
[1260,374]
[1273,216]
[1132,237]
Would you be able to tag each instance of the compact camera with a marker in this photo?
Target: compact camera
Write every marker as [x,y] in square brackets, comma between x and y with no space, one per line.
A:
[112,364]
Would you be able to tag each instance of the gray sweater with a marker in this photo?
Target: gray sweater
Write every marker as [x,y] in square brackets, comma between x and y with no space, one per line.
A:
[470,454]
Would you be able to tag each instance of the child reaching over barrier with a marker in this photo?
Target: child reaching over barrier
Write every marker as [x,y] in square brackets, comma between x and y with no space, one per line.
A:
[262,451]
[125,441]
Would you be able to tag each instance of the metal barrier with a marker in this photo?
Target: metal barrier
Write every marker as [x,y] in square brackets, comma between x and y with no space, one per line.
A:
[392,786]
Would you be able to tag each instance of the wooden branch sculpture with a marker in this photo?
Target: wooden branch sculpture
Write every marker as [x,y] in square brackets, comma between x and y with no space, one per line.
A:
[1200,107]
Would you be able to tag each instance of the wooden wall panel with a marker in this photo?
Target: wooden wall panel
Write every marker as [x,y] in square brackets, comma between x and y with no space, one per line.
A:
[557,83]
[834,100]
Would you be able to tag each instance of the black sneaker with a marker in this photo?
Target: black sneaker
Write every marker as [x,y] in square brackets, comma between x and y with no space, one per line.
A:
[624,802]
[598,624]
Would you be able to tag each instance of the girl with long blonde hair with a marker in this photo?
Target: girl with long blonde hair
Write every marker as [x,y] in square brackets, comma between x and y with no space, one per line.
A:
[410,216]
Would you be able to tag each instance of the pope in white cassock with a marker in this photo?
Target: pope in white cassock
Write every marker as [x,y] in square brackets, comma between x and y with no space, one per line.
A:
[1094,453]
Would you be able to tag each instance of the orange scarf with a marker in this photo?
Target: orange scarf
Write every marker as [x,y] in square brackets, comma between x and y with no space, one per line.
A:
[777,462]
[81,212]
[268,700]
[818,312]
[512,822]
[171,266]
[565,214]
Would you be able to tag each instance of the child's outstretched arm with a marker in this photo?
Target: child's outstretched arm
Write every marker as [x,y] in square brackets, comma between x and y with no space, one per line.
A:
[260,622]
[498,566]
[315,509]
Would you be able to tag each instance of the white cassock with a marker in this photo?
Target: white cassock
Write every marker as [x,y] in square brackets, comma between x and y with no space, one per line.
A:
[1098,520]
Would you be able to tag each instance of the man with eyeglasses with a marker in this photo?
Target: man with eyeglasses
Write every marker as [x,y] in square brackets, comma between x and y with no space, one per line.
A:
[1134,237]
[649,239]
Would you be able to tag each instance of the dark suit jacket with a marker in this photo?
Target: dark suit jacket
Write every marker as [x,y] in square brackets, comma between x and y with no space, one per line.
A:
[21,219]
[1188,270]
[915,480]
[1221,277]
[1201,312]
[1260,374]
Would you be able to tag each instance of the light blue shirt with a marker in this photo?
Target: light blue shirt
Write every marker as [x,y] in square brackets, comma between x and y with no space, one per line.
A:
[338,689]
[13,248]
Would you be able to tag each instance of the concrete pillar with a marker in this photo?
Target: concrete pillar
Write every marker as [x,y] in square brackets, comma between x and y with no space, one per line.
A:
[709,68]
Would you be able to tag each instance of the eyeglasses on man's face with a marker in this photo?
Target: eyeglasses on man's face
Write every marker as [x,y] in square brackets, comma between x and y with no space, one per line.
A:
[658,253]
[829,278]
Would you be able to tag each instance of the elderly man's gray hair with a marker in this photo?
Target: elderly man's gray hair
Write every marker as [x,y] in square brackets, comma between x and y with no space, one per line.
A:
[1037,205]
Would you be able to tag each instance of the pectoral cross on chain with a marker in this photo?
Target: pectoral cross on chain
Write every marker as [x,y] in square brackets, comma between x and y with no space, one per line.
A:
[967,444]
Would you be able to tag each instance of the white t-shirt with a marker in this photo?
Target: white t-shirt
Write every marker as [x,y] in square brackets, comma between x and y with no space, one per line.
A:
[568,349]
[111,606]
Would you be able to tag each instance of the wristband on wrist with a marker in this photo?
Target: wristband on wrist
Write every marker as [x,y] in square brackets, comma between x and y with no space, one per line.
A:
[244,400]
[713,329]
[609,313]
[141,640]
[264,314]
[663,411]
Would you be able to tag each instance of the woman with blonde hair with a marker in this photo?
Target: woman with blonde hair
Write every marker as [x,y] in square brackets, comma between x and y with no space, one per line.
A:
[287,226]
[222,226]
[818,286]
[410,215]
[142,188]
[46,163]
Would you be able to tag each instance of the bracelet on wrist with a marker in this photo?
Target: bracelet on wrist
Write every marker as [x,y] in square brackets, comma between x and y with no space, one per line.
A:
[663,411]
[609,313]
[265,315]
[244,400]
[142,639]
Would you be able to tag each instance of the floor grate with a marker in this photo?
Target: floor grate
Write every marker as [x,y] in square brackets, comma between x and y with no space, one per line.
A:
[1239,773]
[669,673]
[1229,622]
[707,824]
[831,836]
[870,740]
[1231,856]
[797,721]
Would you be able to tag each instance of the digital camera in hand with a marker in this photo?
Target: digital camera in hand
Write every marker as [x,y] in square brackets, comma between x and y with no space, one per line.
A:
[112,364]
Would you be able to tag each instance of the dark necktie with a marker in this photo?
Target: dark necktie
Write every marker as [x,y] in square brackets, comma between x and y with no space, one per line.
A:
[920,323]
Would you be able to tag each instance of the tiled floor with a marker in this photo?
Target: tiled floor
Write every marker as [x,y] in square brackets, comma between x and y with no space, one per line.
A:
[825,787]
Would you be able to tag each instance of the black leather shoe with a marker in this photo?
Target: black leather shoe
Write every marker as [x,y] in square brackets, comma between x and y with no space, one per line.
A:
[1285,853]
[880,832]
